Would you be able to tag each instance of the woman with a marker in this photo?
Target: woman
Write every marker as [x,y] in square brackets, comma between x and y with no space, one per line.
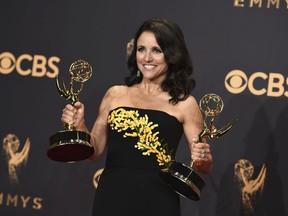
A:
[141,124]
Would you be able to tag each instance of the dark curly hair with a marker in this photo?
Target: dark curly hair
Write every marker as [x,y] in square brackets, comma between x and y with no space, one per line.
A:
[178,82]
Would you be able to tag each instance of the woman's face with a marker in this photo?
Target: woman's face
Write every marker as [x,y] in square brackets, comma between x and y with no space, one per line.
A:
[150,57]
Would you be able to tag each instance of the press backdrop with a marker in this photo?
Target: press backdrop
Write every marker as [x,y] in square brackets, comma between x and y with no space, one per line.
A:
[239,51]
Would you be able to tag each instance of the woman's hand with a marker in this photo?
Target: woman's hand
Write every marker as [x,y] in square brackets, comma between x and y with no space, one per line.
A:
[201,156]
[200,151]
[74,115]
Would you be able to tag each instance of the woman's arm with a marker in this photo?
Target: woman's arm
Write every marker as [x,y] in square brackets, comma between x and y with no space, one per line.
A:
[75,116]
[193,125]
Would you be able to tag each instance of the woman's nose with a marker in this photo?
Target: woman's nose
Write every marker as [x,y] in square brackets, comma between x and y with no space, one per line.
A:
[148,56]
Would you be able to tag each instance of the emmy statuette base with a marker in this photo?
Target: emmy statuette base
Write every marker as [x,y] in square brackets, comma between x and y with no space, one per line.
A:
[183,179]
[70,146]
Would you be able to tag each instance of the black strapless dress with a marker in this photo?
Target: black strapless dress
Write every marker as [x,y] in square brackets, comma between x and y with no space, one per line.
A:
[139,143]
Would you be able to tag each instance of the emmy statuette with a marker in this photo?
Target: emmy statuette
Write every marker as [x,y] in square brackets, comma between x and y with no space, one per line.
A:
[71,145]
[183,178]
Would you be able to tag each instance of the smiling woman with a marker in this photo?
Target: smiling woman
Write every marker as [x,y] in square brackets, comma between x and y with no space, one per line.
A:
[141,124]
[150,58]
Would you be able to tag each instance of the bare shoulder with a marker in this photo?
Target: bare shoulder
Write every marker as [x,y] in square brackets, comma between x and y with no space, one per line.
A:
[112,96]
[190,110]
[189,105]
[114,92]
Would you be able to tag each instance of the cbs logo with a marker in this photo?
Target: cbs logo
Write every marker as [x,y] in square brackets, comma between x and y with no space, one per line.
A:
[36,66]
[259,83]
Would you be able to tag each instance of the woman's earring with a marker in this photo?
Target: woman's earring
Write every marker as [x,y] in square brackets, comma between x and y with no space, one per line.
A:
[138,73]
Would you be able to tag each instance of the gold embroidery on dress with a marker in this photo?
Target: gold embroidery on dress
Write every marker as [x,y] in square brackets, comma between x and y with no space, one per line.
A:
[122,120]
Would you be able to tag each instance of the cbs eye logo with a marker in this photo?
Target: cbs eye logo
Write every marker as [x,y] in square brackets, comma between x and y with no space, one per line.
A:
[259,83]
[236,81]
[35,66]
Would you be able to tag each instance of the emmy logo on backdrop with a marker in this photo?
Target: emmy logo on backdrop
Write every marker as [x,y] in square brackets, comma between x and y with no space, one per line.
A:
[183,178]
[251,189]
[15,157]
[71,145]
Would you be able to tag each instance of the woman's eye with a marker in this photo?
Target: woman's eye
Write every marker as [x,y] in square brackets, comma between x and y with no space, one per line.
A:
[157,51]
[140,49]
